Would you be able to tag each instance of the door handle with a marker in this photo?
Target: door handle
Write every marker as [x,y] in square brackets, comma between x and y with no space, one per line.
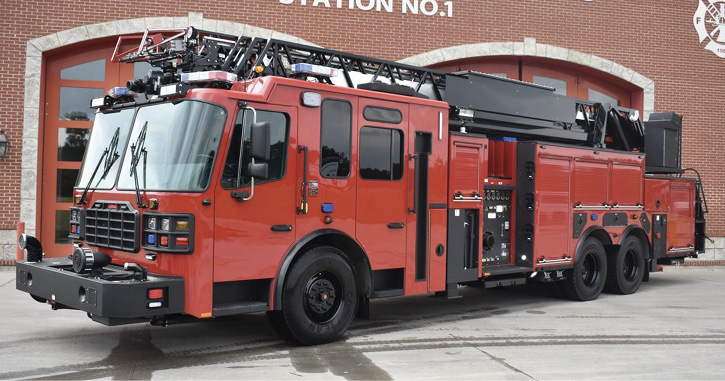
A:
[396,225]
[281,228]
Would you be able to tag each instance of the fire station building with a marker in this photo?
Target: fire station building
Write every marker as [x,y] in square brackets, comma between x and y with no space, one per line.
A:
[663,56]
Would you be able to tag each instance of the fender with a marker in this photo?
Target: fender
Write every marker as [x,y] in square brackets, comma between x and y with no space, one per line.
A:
[641,234]
[343,242]
[596,231]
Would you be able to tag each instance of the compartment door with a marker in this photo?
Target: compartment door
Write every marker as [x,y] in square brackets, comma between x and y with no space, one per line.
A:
[553,212]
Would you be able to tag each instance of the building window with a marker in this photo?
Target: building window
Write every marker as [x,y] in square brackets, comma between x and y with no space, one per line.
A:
[600,97]
[89,71]
[279,125]
[335,138]
[141,69]
[381,153]
[75,103]
[61,226]
[65,180]
[72,143]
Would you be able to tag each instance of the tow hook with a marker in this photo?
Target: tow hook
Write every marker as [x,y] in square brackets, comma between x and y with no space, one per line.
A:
[139,272]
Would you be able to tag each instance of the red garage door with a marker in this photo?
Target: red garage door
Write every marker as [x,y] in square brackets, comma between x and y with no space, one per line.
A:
[72,79]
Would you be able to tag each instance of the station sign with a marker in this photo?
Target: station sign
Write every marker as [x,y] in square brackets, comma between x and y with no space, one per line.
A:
[406,7]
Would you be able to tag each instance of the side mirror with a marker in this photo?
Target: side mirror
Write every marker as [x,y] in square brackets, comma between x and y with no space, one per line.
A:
[260,141]
[258,170]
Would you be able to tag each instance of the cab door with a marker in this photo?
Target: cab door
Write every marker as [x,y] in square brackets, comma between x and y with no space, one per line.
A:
[382,198]
[254,228]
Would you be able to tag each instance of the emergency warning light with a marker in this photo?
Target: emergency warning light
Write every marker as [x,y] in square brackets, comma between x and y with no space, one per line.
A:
[118,92]
[208,76]
[305,68]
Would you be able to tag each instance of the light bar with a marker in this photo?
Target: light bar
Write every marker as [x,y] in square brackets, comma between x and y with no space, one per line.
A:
[118,92]
[208,76]
[304,68]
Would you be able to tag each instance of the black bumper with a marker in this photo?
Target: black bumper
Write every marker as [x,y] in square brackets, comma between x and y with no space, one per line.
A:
[111,296]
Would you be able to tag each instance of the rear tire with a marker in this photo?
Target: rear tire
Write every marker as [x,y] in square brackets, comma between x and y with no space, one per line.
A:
[319,297]
[586,280]
[626,267]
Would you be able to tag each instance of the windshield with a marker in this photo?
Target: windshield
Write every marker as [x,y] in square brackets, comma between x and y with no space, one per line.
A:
[173,146]
[102,135]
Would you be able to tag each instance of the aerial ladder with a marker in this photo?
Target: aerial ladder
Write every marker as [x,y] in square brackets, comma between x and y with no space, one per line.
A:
[481,103]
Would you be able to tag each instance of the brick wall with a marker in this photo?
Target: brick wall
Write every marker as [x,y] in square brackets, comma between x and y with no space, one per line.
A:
[656,39]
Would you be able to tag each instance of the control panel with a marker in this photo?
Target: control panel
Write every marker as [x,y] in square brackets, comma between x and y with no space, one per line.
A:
[497,225]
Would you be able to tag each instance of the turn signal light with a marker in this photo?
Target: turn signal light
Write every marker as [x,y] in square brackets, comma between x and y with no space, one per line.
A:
[155,293]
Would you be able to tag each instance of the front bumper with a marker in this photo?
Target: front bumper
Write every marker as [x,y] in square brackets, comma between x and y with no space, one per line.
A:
[111,296]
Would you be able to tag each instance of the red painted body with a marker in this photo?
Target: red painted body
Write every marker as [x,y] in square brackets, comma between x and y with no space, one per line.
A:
[234,241]
[571,180]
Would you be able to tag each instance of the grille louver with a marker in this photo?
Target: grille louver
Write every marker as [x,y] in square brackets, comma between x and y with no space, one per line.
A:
[113,225]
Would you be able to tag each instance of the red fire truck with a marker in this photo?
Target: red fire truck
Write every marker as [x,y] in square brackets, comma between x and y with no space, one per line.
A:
[248,175]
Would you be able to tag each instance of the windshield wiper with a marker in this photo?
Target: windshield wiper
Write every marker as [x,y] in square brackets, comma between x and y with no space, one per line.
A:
[138,149]
[110,154]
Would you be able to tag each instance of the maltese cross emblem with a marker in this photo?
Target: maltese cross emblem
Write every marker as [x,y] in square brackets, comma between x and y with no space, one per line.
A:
[709,21]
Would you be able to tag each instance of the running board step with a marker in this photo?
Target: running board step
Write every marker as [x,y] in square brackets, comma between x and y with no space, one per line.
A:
[503,270]
[504,282]
[237,308]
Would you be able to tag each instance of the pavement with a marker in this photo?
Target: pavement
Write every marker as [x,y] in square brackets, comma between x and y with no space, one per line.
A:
[672,328]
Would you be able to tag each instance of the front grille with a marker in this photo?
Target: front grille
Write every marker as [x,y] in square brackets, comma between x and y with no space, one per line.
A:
[114,225]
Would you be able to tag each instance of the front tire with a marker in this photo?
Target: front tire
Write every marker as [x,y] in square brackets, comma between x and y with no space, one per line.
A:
[586,280]
[626,267]
[319,297]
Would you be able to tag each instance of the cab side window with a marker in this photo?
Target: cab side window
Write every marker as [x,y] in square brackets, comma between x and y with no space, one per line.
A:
[239,145]
[335,140]
[381,153]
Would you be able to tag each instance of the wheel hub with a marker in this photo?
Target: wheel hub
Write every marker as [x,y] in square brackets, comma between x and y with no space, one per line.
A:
[321,296]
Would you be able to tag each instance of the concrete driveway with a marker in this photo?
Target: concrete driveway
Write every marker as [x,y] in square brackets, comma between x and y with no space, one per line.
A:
[673,328]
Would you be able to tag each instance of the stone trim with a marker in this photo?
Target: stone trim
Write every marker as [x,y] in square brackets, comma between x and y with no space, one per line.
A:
[8,245]
[33,58]
[529,47]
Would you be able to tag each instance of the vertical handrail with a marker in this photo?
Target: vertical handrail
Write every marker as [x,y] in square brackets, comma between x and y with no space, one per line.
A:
[303,206]
[414,209]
